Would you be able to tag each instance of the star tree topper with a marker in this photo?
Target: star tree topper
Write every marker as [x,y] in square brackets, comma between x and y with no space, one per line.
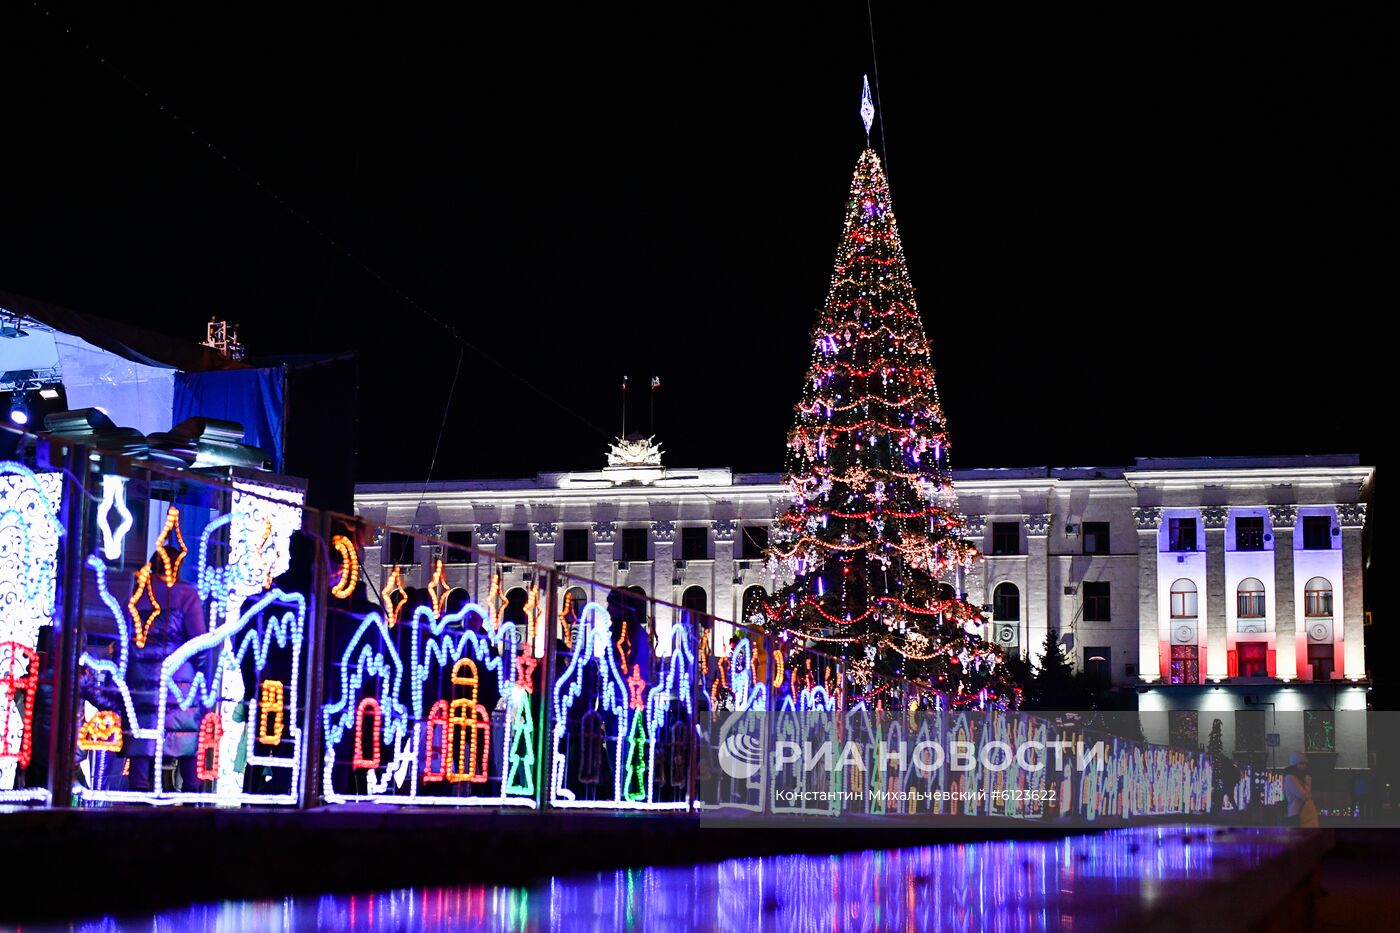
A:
[867,107]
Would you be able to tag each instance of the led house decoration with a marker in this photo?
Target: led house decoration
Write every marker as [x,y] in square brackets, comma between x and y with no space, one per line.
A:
[251,624]
[29,533]
[415,737]
[630,716]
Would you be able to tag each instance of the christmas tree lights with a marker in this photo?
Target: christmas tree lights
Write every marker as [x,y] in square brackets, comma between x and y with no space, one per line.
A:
[872,538]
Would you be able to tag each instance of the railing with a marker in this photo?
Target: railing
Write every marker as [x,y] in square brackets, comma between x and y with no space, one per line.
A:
[181,637]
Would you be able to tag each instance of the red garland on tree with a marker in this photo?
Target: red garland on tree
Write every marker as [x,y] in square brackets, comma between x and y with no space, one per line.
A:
[872,536]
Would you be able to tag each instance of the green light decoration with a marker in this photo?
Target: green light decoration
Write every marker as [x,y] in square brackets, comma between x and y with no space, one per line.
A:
[520,774]
[636,786]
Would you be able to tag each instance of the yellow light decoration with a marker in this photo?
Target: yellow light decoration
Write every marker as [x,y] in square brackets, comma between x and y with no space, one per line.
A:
[349,566]
[271,708]
[395,585]
[140,627]
[438,582]
[171,568]
[101,733]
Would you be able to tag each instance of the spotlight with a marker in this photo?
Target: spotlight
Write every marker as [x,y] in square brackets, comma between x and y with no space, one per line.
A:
[19,408]
[48,392]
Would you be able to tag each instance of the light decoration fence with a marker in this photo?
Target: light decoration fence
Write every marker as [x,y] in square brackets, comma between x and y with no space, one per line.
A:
[306,658]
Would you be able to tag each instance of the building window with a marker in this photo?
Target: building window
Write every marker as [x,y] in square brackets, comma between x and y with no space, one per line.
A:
[401,549]
[1096,601]
[1320,658]
[517,544]
[1252,658]
[755,605]
[458,553]
[1006,603]
[1185,665]
[1183,729]
[1095,538]
[575,545]
[634,544]
[695,543]
[1319,730]
[1249,533]
[1181,534]
[1006,538]
[1317,533]
[1183,600]
[1249,730]
[1098,665]
[1249,599]
[1317,598]
[694,600]
[754,544]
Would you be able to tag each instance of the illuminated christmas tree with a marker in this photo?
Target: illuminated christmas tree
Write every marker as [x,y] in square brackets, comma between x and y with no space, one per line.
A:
[872,534]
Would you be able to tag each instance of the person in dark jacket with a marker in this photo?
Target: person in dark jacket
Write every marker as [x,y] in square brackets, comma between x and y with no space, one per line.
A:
[180,618]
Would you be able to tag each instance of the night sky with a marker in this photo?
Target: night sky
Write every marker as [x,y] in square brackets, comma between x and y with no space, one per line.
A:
[1131,237]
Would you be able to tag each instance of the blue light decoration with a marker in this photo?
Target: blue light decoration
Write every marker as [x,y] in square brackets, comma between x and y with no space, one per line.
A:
[249,619]
[634,732]
[29,533]
[418,740]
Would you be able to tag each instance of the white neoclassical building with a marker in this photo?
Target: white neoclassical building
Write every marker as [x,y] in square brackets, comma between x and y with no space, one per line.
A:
[1231,584]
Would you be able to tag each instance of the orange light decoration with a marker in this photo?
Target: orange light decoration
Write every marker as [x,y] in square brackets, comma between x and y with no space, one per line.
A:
[436,584]
[171,568]
[395,585]
[468,728]
[101,733]
[777,668]
[349,566]
[532,602]
[211,730]
[140,628]
[369,706]
[495,604]
[269,560]
[624,642]
[564,620]
[636,686]
[271,709]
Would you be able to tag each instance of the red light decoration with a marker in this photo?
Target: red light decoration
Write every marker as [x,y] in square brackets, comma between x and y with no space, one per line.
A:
[20,675]
[436,744]
[368,709]
[636,686]
[525,664]
[211,731]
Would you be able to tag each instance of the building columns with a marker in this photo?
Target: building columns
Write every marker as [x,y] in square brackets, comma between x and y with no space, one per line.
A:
[1152,633]
[1351,517]
[1037,610]
[1292,653]
[1217,643]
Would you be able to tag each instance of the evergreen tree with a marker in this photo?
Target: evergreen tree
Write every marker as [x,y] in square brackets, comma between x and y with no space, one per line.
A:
[872,535]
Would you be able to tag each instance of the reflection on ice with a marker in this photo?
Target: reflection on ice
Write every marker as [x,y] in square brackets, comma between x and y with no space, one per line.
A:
[1085,882]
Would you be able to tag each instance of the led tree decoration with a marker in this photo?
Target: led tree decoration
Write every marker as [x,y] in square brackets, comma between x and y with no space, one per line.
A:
[871,536]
